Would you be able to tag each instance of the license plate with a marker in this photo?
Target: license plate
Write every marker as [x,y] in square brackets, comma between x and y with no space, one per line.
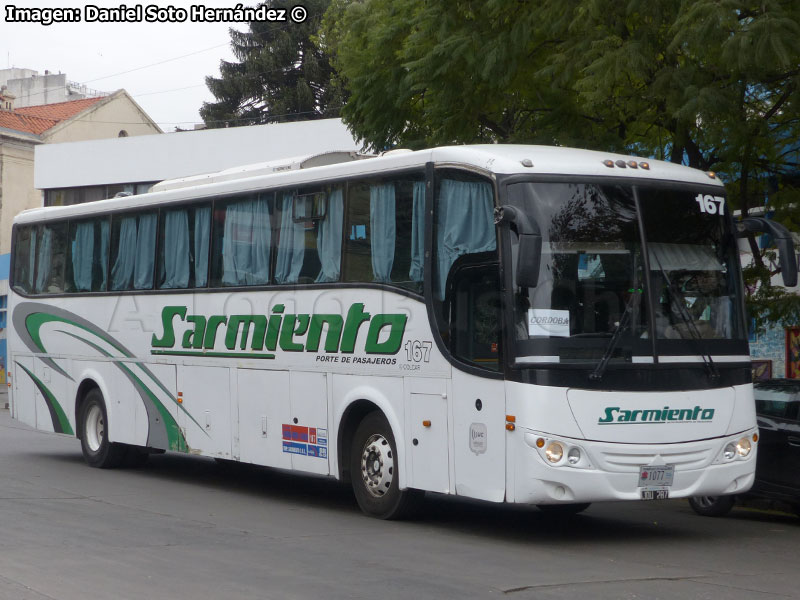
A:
[657,494]
[656,476]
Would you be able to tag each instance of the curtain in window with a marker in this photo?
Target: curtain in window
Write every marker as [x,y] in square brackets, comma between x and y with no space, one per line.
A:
[246,243]
[418,232]
[83,256]
[329,238]
[136,252]
[103,252]
[122,269]
[382,230]
[262,241]
[176,249]
[202,225]
[291,245]
[145,252]
[465,224]
[31,260]
[45,258]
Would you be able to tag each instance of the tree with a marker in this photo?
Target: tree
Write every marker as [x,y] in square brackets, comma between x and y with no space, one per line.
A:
[708,83]
[282,74]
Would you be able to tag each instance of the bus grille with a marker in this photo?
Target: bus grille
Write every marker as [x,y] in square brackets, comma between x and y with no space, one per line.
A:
[628,462]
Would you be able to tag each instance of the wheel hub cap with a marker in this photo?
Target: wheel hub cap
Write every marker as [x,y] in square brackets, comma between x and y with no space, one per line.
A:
[377,465]
[95,428]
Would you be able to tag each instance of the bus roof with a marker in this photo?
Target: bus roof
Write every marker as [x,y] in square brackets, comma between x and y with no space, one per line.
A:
[489,158]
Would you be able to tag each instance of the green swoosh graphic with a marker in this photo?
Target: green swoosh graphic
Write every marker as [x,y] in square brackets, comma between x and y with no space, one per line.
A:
[57,414]
[35,320]
[176,439]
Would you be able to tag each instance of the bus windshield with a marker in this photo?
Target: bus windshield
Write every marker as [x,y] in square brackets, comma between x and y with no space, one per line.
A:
[594,275]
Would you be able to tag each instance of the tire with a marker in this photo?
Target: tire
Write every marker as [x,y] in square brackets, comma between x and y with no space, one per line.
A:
[564,510]
[374,471]
[712,506]
[97,450]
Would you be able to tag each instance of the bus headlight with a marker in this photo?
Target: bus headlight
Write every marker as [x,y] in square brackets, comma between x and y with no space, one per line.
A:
[574,456]
[743,447]
[729,452]
[554,452]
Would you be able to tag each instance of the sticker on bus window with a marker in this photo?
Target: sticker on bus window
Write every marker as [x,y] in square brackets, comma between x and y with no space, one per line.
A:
[548,322]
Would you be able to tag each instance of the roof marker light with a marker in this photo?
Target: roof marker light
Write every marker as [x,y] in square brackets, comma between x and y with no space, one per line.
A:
[711,174]
[633,164]
[526,162]
[609,163]
[645,165]
[620,163]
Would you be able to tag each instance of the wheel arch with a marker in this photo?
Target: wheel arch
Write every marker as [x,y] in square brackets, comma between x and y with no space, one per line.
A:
[356,405]
[89,380]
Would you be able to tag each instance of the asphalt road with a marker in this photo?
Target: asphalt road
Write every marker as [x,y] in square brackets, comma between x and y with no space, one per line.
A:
[185,527]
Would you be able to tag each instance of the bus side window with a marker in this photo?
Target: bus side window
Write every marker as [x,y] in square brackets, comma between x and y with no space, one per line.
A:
[242,240]
[309,250]
[87,267]
[184,237]
[24,258]
[384,241]
[133,250]
[51,259]
[466,284]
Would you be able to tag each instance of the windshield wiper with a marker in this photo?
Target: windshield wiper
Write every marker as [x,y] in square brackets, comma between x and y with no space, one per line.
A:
[678,298]
[633,302]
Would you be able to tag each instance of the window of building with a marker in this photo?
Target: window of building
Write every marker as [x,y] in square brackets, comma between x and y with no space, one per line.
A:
[79,195]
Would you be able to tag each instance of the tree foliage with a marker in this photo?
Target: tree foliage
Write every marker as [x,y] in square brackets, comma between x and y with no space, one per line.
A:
[708,83]
[282,74]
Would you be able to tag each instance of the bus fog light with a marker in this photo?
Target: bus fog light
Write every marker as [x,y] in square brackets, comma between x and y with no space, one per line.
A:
[743,447]
[729,452]
[574,456]
[554,452]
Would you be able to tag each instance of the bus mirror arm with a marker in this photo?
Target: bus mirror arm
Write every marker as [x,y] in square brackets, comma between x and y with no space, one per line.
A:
[530,243]
[783,240]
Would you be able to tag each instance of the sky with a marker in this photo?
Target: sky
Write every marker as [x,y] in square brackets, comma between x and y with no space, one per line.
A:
[161,65]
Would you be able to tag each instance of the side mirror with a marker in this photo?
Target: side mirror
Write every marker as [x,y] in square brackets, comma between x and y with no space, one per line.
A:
[783,240]
[530,244]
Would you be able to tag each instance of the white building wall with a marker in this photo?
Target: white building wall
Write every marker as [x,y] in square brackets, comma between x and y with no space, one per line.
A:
[173,155]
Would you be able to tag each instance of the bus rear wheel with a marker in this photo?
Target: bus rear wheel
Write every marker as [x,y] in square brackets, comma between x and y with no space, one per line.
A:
[97,450]
[374,471]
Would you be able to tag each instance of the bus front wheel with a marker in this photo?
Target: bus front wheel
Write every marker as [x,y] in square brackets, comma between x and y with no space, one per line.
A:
[712,506]
[374,471]
[97,450]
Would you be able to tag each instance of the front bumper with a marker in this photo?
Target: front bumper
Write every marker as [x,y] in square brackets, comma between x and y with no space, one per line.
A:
[610,471]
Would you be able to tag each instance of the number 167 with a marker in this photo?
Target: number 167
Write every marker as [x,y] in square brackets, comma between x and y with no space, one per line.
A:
[711,204]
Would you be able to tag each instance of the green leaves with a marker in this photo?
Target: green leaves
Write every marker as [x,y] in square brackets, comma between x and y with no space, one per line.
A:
[708,83]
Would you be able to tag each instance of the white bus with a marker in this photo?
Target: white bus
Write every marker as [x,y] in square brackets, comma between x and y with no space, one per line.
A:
[524,324]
